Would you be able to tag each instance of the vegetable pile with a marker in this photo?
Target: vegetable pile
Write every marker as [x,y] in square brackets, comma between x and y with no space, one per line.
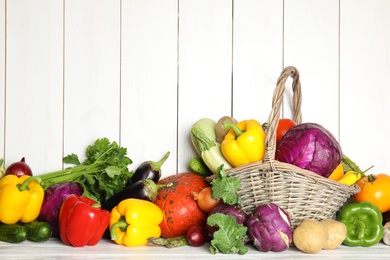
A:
[309,146]
[103,198]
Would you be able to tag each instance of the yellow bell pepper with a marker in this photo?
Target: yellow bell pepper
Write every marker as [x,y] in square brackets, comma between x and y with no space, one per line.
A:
[350,177]
[134,221]
[21,199]
[337,173]
[244,143]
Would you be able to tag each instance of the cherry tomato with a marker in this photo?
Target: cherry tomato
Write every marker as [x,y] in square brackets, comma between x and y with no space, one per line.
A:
[283,126]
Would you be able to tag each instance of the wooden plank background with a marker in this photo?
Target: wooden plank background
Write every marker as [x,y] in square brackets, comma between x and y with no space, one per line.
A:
[141,72]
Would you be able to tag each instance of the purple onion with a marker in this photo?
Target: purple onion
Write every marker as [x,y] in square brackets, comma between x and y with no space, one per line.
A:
[54,196]
[269,227]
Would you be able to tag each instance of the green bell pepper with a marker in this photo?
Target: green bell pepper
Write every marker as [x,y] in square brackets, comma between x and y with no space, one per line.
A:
[364,224]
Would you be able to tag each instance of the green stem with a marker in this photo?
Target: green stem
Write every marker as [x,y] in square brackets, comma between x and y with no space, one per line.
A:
[204,142]
[100,156]
[77,168]
[360,228]
[24,185]
[96,205]
[49,179]
[364,172]
[233,126]
[152,188]
[157,165]
[371,178]
[169,242]
[351,163]
[71,173]
[122,224]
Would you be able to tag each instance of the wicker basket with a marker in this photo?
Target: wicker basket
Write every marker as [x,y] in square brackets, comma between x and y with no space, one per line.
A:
[303,194]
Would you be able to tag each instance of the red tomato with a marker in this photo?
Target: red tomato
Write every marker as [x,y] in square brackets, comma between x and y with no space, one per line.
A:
[283,126]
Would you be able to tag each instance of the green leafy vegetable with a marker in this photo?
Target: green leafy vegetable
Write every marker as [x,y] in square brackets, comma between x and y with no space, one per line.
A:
[225,187]
[103,173]
[230,236]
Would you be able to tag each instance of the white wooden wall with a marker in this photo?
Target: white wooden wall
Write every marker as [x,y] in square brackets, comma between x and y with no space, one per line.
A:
[141,72]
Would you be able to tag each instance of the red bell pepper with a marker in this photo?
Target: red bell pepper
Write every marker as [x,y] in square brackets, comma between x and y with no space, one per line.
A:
[82,221]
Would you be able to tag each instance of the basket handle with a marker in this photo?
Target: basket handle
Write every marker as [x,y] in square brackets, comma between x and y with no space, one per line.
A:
[277,100]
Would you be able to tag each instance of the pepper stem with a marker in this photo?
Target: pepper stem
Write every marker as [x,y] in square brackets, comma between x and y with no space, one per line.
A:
[122,224]
[24,185]
[360,227]
[96,205]
[233,126]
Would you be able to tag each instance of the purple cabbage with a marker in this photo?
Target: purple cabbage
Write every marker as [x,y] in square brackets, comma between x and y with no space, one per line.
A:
[231,210]
[54,196]
[311,147]
[269,227]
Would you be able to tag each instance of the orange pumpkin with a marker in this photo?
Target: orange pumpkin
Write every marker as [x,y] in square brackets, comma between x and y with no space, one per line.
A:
[177,203]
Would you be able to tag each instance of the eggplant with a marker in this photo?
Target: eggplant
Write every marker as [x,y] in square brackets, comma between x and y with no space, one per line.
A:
[149,170]
[143,189]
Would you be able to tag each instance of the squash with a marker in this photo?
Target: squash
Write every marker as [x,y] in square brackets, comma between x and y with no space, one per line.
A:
[177,203]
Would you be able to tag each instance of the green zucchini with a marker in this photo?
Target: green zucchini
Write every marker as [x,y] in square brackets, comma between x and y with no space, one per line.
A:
[210,151]
[197,165]
[38,231]
[207,126]
[12,233]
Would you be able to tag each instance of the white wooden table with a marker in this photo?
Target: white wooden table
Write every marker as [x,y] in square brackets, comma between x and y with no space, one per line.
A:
[105,249]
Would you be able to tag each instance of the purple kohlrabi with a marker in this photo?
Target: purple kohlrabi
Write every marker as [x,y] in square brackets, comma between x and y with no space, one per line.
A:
[54,196]
[269,227]
[231,210]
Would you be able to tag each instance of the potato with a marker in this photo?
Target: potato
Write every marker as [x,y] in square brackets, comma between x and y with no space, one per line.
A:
[220,132]
[337,231]
[310,236]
